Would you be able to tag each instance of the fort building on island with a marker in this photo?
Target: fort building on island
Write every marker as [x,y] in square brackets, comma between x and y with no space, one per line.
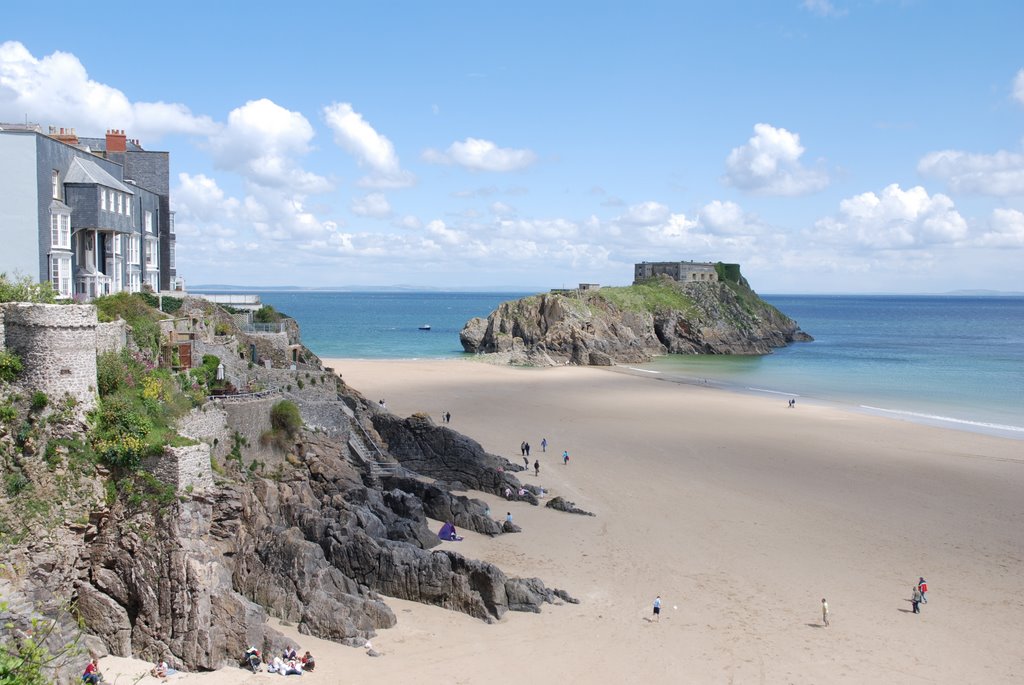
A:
[90,215]
[684,272]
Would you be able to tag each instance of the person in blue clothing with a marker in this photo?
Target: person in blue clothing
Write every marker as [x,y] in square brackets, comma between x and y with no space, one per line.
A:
[657,608]
[544,445]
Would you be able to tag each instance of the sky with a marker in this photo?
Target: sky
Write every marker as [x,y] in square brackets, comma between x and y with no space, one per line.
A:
[828,146]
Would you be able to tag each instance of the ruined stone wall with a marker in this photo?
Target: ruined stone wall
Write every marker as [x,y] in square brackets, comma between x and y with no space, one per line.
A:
[57,346]
[186,468]
[111,337]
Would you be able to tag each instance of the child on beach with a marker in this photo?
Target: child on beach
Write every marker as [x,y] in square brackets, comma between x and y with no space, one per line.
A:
[536,467]
[657,608]
[824,612]
[565,458]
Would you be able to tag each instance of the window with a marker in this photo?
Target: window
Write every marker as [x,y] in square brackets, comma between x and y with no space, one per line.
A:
[151,256]
[133,281]
[128,205]
[120,203]
[103,199]
[60,231]
[172,224]
[154,282]
[60,275]
[172,256]
[111,199]
[55,181]
[133,250]
[117,245]
[148,221]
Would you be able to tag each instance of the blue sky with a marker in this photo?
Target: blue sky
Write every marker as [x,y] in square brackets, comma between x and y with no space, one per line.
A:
[826,145]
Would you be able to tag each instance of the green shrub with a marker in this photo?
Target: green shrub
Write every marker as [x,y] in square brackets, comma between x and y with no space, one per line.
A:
[285,417]
[24,289]
[267,314]
[10,366]
[140,316]
[39,400]
[16,483]
[8,413]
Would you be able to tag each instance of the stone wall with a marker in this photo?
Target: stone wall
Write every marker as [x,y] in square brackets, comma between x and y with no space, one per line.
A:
[57,346]
[186,468]
[111,337]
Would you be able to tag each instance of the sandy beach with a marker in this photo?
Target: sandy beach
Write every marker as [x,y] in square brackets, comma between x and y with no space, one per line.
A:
[742,514]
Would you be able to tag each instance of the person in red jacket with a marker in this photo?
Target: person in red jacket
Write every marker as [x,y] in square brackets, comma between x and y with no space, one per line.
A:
[923,585]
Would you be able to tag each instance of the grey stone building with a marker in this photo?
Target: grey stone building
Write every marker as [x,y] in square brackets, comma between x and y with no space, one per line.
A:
[684,272]
[91,215]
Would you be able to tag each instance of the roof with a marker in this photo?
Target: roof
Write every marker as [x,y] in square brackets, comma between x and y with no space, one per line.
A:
[87,171]
[100,144]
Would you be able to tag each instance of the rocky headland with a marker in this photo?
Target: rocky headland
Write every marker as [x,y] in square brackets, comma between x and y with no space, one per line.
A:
[181,548]
[633,324]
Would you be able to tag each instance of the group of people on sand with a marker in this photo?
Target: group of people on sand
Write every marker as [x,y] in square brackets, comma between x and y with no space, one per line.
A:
[289,663]
[919,596]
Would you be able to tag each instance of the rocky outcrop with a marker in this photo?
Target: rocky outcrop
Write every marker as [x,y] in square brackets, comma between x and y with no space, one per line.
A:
[562,504]
[441,453]
[308,530]
[601,328]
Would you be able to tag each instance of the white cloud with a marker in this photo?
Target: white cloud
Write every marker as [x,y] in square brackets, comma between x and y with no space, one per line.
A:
[502,209]
[1000,174]
[823,8]
[202,208]
[645,214]
[481,155]
[894,219]
[1006,229]
[727,218]
[769,164]
[261,141]
[374,205]
[1018,87]
[56,90]
[409,222]
[370,148]
[437,230]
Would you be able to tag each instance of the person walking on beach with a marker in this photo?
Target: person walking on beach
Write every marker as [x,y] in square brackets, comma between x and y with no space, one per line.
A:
[526,462]
[536,467]
[522,448]
[527,449]
[657,608]
[543,444]
[915,599]
[565,458]
[922,584]
[824,612]
[447,417]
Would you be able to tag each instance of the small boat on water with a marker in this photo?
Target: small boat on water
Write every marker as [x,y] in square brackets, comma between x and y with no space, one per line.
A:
[425,327]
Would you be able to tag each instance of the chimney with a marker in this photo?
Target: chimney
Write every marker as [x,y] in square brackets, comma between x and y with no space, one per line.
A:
[64,135]
[117,141]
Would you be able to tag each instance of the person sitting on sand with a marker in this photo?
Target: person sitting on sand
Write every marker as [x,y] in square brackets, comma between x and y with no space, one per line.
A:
[252,660]
[276,666]
[289,653]
[92,673]
[308,663]
[160,670]
[293,667]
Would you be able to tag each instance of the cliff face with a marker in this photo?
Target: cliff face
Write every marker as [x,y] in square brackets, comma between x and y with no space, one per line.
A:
[631,325]
[164,563]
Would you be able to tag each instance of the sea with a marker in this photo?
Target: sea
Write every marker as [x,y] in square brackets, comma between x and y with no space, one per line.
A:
[953,361]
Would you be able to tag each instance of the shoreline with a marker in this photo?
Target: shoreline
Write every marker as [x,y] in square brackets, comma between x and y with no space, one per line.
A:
[990,428]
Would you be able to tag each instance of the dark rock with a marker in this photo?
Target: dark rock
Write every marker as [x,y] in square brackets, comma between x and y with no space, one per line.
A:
[509,527]
[441,453]
[562,504]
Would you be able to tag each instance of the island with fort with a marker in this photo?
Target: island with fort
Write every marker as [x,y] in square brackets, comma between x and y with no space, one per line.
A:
[679,307]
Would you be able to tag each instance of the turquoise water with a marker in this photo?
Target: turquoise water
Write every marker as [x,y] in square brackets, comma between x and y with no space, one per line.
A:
[954,361]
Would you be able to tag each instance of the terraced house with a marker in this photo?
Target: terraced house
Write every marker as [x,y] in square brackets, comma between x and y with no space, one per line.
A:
[91,215]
